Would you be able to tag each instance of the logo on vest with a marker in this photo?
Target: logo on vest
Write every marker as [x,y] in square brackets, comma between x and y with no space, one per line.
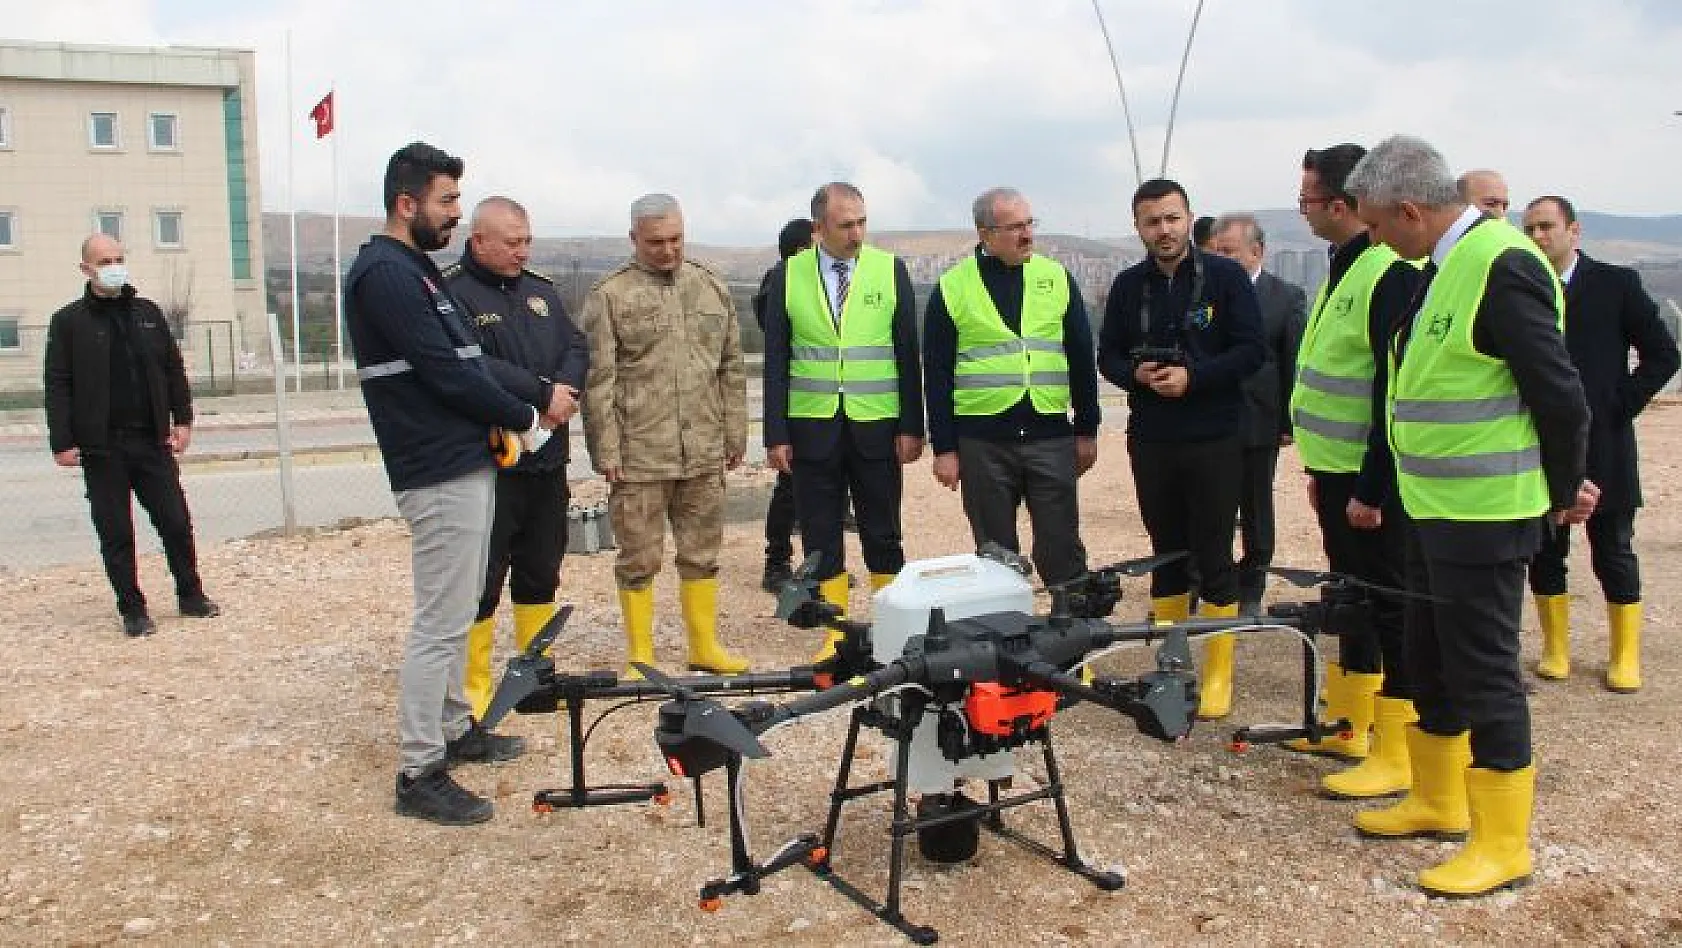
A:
[1342,305]
[488,319]
[1439,326]
[1044,284]
[874,299]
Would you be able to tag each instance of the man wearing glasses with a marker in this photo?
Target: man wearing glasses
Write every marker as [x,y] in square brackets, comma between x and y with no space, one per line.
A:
[1007,355]
[1338,422]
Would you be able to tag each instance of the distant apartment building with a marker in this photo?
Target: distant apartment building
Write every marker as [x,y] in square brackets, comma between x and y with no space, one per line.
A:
[154,146]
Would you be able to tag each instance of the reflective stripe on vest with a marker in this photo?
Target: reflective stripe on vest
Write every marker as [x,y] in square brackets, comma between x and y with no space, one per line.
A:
[1465,445]
[399,366]
[996,367]
[853,368]
[1331,402]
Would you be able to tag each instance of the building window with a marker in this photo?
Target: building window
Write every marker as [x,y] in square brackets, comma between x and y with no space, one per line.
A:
[5,127]
[161,132]
[102,130]
[109,223]
[8,231]
[11,339]
[166,229]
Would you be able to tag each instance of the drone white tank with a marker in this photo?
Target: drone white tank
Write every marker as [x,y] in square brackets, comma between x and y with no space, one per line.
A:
[964,585]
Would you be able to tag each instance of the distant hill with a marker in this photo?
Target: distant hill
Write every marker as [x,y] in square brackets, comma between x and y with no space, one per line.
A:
[1613,236]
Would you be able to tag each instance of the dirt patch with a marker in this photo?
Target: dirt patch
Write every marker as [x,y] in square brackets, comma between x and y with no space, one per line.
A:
[230,781]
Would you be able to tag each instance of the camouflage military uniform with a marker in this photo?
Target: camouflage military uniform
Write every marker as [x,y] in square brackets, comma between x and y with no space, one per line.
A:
[666,404]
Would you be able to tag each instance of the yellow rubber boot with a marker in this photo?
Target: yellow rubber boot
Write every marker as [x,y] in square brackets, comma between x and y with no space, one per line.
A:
[637,605]
[1435,804]
[835,591]
[529,619]
[879,580]
[699,598]
[1498,854]
[1215,686]
[1385,772]
[476,673]
[1623,673]
[1555,613]
[1166,610]
[1351,700]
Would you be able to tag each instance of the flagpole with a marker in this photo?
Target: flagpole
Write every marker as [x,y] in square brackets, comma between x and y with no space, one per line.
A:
[292,215]
[338,273]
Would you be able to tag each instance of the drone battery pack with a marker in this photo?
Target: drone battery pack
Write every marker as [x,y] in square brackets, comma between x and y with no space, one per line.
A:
[999,711]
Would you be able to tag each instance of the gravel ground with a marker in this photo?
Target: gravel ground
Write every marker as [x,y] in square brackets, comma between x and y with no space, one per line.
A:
[230,781]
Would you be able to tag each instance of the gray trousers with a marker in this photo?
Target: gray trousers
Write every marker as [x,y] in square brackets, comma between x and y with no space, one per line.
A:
[998,476]
[450,534]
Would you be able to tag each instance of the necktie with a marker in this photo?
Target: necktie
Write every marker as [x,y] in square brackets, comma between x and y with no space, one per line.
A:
[843,283]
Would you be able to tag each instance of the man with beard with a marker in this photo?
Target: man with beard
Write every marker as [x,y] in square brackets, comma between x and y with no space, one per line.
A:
[433,404]
[1182,331]
[1007,353]
[1607,313]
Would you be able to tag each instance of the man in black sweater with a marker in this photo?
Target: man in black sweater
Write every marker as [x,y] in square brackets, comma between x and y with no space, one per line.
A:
[1607,313]
[1182,331]
[433,404]
[114,382]
[1007,354]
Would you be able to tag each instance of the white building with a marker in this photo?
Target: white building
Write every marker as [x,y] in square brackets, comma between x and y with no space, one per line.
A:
[157,147]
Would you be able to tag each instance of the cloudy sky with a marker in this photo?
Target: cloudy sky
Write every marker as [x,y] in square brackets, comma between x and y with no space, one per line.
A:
[740,107]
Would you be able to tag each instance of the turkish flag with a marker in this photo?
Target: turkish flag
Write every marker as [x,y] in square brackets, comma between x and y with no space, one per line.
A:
[323,116]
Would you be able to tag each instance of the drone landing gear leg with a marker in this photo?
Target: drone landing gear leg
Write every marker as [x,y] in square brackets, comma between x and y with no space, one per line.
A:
[745,874]
[581,794]
[904,823]
[1069,858]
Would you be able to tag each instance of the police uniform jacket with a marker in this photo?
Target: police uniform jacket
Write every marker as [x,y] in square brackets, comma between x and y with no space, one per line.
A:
[431,399]
[667,392]
[530,343]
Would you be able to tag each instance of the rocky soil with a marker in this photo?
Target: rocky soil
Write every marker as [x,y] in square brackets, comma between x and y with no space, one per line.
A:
[230,781]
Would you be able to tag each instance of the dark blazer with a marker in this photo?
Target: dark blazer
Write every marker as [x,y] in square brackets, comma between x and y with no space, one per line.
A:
[78,366]
[1608,313]
[1284,310]
[815,439]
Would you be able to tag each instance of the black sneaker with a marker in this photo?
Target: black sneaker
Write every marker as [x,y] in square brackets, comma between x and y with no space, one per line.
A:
[199,607]
[777,574]
[479,746]
[436,798]
[137,625]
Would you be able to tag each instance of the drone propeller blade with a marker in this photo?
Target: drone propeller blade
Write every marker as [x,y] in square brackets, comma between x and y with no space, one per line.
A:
[664,682]
[808,568]
[1174,654]
[551,631]
[1146,564]
[712,721]
[518,683]
[1303,578]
